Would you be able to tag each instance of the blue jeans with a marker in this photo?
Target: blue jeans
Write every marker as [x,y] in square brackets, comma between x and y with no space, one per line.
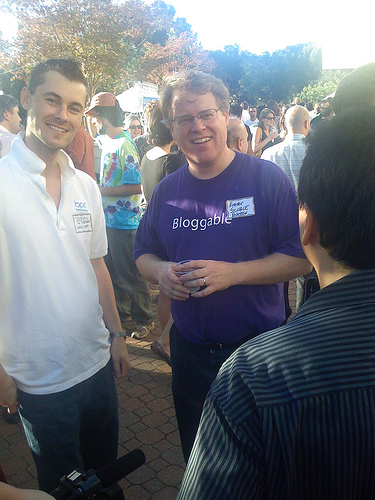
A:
[72,429]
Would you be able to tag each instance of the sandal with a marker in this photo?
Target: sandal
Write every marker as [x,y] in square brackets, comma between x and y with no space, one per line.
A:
[159,350]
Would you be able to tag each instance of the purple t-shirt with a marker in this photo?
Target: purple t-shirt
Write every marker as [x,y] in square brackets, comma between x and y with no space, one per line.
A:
[247,212]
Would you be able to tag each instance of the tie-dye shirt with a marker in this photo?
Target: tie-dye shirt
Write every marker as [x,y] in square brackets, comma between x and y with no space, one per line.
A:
[120,165]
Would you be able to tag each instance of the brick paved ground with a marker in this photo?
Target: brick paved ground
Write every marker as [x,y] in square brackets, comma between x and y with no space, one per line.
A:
[147,421]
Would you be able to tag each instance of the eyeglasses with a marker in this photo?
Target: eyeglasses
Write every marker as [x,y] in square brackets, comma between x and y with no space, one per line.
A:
[205,116]
[133,127]
[269,117]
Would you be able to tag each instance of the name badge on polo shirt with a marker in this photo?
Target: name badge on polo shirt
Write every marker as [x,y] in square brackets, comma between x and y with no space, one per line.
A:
[243,207]
[82,223]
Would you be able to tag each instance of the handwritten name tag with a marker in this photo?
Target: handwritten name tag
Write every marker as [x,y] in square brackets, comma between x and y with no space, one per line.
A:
[243,207]
[82,223]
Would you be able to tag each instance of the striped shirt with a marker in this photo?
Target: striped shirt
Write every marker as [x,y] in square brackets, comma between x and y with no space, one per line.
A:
[291,414]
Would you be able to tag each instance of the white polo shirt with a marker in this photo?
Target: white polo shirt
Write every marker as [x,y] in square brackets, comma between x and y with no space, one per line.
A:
[52,335]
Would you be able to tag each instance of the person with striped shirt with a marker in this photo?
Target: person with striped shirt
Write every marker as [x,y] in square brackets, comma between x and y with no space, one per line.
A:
[291,414]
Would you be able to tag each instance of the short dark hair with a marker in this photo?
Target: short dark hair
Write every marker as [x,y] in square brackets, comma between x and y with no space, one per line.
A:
[309,106]
[7,103]
[69,68]
[355,90]
[326,111]
[235,110]
[114,114]
[337,183]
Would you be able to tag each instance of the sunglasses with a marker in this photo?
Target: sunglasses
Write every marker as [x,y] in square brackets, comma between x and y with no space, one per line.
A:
[133,127]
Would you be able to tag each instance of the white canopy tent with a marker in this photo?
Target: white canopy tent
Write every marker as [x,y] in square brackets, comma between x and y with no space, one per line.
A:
[134,99]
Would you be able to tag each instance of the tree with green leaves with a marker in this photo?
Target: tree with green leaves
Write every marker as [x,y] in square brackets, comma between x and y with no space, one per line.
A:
[229,68]
[280,75]
[324,86]
[114,41]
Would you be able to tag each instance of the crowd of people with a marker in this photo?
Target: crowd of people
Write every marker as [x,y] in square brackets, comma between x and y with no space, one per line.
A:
[221,206]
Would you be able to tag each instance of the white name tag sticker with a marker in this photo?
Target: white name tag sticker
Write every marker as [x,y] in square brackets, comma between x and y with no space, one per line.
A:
[243,207]
[82,223]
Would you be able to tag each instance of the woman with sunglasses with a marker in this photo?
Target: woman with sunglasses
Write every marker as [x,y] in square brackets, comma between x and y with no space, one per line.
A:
[133,126]
[264,135]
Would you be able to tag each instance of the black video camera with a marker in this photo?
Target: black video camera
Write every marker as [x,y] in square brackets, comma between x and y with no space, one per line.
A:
[100,485]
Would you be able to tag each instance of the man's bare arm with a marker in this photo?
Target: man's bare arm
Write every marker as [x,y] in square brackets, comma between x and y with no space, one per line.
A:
[8,391]
[123,190]
[161,272]
[119,352]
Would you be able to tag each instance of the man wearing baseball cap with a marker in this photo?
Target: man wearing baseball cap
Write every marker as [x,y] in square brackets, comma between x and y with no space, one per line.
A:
[120,185]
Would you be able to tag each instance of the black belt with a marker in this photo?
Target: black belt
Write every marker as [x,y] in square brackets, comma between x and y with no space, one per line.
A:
[219,347]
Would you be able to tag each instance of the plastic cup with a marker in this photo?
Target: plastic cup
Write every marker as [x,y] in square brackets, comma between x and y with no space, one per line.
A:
[181,273]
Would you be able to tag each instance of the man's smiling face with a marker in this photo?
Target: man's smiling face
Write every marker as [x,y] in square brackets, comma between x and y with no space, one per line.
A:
[54,112]
[202,143]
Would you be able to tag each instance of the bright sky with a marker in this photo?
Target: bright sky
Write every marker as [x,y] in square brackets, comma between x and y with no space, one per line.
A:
[343,30]
[8,24]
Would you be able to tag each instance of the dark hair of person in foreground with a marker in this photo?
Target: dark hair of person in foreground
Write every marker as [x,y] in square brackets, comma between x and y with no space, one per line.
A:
[347,145]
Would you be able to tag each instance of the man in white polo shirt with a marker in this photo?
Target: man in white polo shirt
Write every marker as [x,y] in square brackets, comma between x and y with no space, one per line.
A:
[57,308]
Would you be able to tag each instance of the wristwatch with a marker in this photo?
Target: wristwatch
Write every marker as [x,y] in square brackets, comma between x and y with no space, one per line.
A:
[118,334]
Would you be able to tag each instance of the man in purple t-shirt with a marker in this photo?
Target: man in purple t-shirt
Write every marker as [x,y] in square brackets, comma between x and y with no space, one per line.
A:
[235,218]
